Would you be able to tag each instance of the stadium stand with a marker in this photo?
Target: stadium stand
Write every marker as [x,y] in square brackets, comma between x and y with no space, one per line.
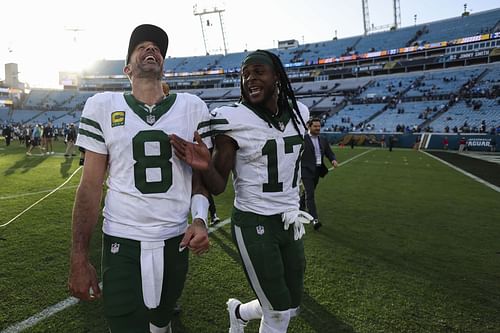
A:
[392,80]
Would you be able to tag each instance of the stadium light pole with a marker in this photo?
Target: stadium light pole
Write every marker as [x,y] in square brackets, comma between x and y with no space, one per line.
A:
[366,16]
[215,10]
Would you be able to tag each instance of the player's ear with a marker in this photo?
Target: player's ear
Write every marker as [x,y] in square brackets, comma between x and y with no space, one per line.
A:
[126,69]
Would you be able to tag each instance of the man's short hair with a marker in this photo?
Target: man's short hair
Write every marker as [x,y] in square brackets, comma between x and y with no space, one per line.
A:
[312,120]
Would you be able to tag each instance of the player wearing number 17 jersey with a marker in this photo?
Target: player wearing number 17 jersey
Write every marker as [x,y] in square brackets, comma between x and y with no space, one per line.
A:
[260,141]
[150,193]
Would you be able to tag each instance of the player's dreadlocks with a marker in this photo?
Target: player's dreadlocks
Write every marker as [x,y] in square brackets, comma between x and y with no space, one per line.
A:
[286,96]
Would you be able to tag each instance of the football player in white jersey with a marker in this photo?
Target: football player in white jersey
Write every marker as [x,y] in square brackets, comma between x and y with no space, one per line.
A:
[260,140]
[150,193]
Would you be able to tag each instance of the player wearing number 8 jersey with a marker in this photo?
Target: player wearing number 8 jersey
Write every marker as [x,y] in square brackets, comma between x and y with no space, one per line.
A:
[150,193]
[260,141]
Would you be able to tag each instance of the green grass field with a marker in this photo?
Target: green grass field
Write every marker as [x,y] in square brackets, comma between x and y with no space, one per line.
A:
[407,245]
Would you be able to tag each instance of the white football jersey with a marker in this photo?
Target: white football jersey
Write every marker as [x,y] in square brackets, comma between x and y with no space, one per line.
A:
[149,188]
[266,174]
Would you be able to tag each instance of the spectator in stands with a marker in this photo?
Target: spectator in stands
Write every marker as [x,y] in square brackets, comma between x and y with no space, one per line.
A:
[48,135]
[70,140]
[313,166]
[267,225]
[145,215]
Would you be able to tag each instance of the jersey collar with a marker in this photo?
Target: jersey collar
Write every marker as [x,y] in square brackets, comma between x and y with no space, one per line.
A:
[149,114]
[279,122]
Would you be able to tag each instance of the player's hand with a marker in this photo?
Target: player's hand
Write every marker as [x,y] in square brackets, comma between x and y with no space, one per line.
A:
[82,281]
[335,164]
[196,237]
[196,154]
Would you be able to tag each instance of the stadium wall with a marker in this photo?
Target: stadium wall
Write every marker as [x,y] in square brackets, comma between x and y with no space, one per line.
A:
[475,141]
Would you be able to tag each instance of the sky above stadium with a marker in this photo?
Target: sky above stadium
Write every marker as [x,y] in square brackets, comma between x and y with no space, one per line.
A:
[45,37]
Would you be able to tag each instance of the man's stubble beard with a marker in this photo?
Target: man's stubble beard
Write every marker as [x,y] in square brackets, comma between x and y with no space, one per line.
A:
[150,73]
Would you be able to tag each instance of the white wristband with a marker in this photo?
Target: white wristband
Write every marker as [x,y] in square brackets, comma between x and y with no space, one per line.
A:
[199,208]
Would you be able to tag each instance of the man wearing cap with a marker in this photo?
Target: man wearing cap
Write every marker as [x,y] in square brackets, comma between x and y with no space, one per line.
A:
[260,140]
[149,196]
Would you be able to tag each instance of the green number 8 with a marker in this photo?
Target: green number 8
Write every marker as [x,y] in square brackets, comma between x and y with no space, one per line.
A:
[144,162]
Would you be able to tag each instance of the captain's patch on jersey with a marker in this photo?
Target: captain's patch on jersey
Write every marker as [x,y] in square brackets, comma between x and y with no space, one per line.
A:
[118,118]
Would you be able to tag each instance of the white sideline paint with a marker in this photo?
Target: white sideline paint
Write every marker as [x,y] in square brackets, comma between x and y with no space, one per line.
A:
[477,179]
[32,321]
[14,196]
[70,301]
[40,200]
[351,159]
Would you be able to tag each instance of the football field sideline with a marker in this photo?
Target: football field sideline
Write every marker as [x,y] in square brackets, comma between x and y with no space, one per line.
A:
[41,199]
[70,301]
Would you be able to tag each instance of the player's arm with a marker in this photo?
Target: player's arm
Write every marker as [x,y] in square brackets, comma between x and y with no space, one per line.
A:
[215,170]
[223,161]
[82,274]
[196,235]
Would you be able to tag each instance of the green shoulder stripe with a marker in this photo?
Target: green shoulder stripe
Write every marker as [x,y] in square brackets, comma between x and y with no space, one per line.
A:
[91,135]
[91,122]
[213,133]
[212,122]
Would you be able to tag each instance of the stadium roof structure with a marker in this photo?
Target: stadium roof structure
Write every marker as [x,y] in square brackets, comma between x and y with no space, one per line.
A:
[457,30]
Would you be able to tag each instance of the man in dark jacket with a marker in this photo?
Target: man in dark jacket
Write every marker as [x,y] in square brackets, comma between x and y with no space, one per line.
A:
[315,149]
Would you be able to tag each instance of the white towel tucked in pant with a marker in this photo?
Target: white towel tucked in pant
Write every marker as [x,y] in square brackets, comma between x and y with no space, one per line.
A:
[152,272]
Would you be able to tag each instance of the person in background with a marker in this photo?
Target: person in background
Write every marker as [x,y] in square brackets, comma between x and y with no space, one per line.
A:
[446,142]
[48,135]
[462,144]
[70,140]
[7,134]
[35,139]
[313,167]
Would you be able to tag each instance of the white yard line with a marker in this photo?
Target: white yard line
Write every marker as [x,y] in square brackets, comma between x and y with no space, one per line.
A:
[352,159]
[40,200]
[68,302]
[14,196]
[33,320]
[477,179]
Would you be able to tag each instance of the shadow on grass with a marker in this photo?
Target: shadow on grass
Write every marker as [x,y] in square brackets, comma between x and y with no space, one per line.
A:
[25,164]
[313,313]
[65,166]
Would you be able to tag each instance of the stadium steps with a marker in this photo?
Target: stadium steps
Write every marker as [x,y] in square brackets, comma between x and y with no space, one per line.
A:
[465,89]
[353,46]
[418,35]
[347,100]
[398,96]
[34,117]
[496,28]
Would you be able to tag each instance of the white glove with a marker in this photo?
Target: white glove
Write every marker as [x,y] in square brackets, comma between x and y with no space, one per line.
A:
[298,218]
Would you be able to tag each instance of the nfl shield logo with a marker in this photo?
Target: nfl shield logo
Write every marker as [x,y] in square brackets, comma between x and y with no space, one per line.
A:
[260,229]
[115,247]
[281,125]
[150,119]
